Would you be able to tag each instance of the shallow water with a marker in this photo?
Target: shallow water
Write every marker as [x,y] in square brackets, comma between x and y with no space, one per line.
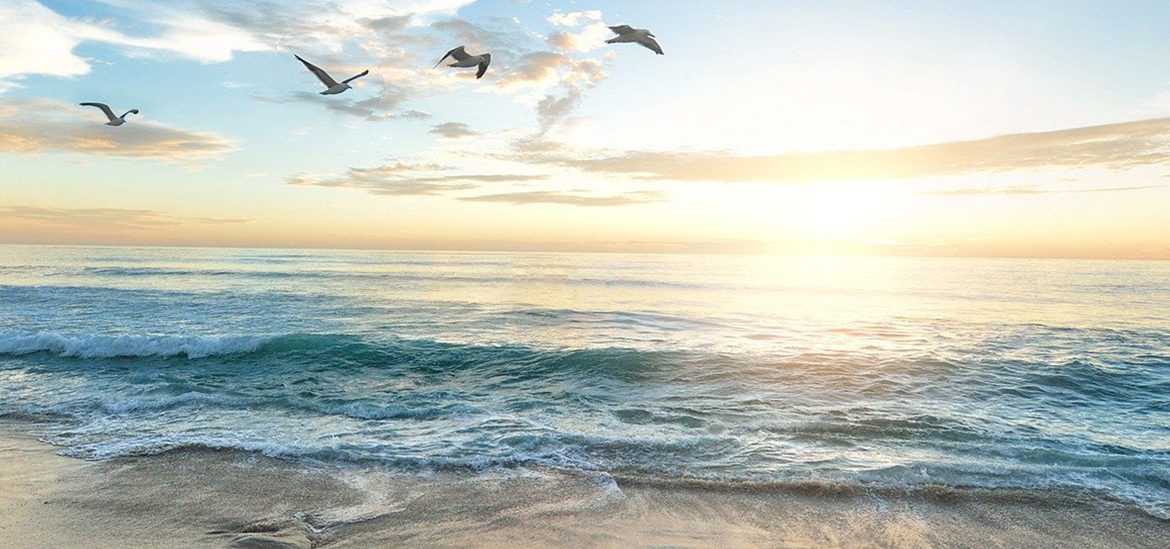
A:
[886,374]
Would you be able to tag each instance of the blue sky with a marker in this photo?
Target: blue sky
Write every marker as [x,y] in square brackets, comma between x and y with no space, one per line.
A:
[569,143]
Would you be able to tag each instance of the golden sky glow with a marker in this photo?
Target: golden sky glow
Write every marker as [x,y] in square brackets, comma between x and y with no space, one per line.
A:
[907,137]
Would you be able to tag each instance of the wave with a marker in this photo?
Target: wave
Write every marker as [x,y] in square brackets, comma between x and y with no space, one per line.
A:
[118,346]
[944,485]
[118,406]
[426,355]
[420,404]
[374,275]
[1053,493]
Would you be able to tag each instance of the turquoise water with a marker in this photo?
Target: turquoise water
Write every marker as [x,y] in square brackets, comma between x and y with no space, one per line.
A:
[883,373]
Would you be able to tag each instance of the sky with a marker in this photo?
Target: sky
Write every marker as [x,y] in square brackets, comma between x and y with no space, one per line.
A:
[950,128]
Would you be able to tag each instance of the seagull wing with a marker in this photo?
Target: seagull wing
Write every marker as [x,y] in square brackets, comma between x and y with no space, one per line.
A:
[131,111]
[356,76]
[622,29]
[104,107]
[458,53]
[483,65]
[321,75]
[650,44]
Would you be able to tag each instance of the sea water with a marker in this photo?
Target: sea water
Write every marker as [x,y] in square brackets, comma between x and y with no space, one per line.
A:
[875,373]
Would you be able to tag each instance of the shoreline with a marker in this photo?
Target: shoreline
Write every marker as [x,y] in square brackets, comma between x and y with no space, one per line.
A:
[227,498]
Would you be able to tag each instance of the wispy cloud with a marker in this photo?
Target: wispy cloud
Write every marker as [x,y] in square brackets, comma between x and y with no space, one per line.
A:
[590,37]
[572,198]
[41,41]
[209,31]
[402,179]
[453,130]
[397,41]
[573,18]
[104,218]
[561,79]
[383,105]
[537,68]
[1113,146]
[976,191]
[33,126]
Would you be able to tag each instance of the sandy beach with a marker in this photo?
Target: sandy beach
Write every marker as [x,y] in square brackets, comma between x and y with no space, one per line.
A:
[206,498]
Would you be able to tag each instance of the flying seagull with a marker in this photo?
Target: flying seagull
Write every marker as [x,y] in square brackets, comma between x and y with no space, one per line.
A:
[114,120]
[643,37]
[464,59]
[331,85]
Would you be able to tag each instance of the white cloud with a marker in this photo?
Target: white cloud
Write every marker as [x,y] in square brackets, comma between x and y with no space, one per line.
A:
[590,38]
[574,18]
[395,40]
[37,40]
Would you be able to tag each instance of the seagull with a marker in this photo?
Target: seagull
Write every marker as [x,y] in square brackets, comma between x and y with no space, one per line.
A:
[464,59]
[331,85]
[114,120]
[643,37]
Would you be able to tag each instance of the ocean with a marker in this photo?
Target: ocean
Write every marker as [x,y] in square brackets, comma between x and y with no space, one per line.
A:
[872,374]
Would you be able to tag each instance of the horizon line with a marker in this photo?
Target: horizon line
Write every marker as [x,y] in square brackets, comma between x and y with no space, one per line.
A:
[585,251]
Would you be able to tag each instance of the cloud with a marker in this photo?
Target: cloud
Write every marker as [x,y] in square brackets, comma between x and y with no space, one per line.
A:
[553,109]
[105,218]
[1033,190]
[36,40]
[574,18]
[555,81]
[453,130]
[207,31]
[570,198]
[537,144]
[588,39]
[504,42]
[547,70]
[37,125]
[397,40]
[382,105]
[581,75]
[1113,146]
[533,68]
[402,179]
[41,41]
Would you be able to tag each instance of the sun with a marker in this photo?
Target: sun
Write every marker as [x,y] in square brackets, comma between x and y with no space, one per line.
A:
[851,211]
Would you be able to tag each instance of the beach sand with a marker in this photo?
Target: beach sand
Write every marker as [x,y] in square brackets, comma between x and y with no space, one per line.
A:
[208,498]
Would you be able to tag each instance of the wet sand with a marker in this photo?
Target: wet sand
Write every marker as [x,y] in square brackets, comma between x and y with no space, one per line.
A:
[208,498]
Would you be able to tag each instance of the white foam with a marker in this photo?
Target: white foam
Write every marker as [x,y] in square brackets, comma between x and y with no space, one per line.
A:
[102,346]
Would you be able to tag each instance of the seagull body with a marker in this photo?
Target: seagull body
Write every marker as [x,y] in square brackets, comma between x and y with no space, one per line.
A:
[114,120]
[332,87]
[642,37]
[464,60]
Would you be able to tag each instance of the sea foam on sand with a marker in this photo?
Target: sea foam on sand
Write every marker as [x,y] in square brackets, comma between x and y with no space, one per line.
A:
[208,498]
